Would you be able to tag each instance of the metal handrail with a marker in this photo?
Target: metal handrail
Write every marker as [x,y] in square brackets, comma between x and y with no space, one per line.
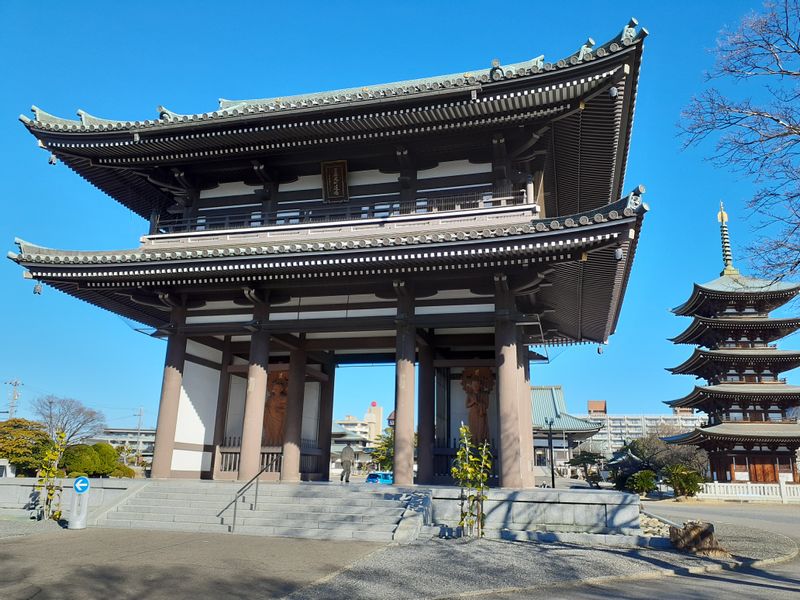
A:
[240,492]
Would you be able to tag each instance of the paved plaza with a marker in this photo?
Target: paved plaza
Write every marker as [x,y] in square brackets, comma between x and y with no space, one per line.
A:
[98,563]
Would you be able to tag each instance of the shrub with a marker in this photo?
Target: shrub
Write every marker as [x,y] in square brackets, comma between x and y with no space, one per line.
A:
[684,481]
[74,474]
[80,459]
[642,482]
[121,470]
[107,459]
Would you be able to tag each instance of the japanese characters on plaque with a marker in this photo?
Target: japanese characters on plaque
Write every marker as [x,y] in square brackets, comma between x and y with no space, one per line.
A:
[334,181]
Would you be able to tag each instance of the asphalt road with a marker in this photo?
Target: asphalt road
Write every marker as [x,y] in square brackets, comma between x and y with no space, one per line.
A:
[772,582]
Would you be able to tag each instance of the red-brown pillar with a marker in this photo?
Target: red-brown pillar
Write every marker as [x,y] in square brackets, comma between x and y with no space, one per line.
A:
[170,397]
[525,417]
[290,465]
[426,416]
[404,388]
[326,419]
[507,387]
[257,372]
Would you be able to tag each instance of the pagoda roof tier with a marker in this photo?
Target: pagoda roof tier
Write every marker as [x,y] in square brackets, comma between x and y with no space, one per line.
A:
[732,392]
[571,272]
[706,363]
[756,432]
[711,298]
[708,331]
[574,114]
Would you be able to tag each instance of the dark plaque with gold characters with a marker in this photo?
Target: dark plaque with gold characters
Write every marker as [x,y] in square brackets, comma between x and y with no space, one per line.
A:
[334,180]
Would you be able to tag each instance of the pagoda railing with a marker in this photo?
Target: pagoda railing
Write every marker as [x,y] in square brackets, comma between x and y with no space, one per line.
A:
[331,213]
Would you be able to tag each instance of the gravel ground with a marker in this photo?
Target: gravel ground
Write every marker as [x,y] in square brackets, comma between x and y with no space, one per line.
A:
[446,568]
[19,526]
[750,545]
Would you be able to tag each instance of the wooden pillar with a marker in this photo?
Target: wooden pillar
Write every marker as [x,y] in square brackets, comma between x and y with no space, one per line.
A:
[170,397]
[404,388]
[426,414]
[326,420]
[223,392]
[525,416]
[257,372]
[507,387]
[290,465]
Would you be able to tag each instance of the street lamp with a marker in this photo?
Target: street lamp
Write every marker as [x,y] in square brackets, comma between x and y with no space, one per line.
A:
[549,421]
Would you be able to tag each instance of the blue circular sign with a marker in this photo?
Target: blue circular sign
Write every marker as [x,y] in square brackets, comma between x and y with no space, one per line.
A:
[81,485]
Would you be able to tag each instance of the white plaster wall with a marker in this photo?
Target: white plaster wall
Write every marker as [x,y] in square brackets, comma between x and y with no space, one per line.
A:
[370,177]
[454,167]
[306,182]
[310,429]
[201,350]
[190,460]
[233,188]
[235,417]
[198,404]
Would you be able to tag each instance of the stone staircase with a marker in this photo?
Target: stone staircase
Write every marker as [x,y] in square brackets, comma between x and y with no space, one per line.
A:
[306,510]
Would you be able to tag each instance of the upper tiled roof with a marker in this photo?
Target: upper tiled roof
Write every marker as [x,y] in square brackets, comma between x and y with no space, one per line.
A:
[734,285]
[232,109]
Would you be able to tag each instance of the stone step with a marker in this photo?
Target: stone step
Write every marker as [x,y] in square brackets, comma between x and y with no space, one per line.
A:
[311,524]
[287,511]
[166,525]
[277,531]
[132,515]
[202,507]
[224,495]
[203,502]
[316,534]
[248,520]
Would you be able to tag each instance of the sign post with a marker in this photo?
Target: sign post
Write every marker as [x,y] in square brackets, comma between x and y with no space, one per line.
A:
[79,509]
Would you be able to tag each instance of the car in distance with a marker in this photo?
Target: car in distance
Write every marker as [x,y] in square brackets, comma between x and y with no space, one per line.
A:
[381,477]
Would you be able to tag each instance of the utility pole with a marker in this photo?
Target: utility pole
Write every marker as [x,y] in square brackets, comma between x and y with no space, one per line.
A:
[12,402]
[139,414]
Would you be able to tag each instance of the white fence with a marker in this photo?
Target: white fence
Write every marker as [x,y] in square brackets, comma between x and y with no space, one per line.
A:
[753,492]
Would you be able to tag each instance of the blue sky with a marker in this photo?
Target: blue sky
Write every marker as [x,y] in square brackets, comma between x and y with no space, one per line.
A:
[122,60]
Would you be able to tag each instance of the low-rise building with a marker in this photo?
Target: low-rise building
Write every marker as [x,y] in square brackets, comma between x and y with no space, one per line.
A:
[369,426]
[138,442]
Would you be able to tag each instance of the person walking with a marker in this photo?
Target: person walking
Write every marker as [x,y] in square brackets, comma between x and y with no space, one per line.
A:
[348,456]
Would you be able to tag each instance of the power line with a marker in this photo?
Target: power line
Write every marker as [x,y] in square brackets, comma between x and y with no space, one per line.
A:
[12,402]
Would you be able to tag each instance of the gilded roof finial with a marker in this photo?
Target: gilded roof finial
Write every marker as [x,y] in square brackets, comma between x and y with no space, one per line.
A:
[727,255]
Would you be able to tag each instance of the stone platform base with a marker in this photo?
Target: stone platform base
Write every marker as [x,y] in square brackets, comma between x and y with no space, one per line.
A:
[510,513]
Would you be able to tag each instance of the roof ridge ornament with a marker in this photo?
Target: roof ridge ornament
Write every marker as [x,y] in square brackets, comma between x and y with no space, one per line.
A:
[727,254]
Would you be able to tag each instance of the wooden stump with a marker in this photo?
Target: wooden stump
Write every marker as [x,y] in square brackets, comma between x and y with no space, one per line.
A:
[696,537]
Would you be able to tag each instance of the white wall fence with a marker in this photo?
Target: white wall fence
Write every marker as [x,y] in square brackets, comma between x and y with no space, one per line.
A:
[754,492]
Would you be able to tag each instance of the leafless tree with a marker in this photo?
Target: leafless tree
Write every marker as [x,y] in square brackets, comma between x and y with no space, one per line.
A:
[755,125]
[77,421]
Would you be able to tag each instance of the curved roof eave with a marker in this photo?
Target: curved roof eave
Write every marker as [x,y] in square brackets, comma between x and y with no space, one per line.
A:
[495,75]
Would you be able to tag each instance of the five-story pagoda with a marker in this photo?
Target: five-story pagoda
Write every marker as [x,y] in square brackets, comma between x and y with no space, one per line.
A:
[753,432]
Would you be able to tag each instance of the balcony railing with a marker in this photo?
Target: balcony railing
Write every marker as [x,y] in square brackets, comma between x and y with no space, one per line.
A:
[341,212]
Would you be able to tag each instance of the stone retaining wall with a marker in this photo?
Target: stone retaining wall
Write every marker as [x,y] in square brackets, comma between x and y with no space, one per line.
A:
[585,511]
[16,494]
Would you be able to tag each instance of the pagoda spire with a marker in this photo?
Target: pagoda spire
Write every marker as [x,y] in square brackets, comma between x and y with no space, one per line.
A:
[727,254]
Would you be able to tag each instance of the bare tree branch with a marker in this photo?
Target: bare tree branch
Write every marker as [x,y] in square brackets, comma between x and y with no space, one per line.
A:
[77,421]
[759,137]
